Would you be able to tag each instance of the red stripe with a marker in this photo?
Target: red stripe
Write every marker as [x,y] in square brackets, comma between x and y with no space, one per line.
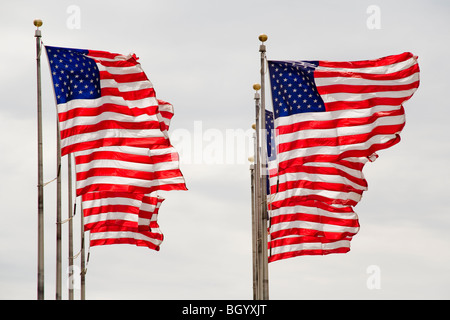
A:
[148,142]
[292,254]
[167,174]
[333,158]
[337,123]
[169,157]
[352,165]
[327,171]
[368,63]
[339,140]
[109,223]
[296,200]
[318,185]
[113,188]
[128,95]
[112,155]
[123,78]
[343,88]
[139,243]
[313,204]
[365,104]
[108,125]
[102,54]
[105,187]
[310,233]
[131,62]
[314,218]
[104,208]
[318,73]
[115,172]
[102,195]
[107,107]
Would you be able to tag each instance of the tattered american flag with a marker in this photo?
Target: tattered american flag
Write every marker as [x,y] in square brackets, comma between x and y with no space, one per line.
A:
[330,119]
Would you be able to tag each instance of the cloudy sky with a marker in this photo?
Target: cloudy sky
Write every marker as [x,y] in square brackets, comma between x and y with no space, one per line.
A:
[202,56]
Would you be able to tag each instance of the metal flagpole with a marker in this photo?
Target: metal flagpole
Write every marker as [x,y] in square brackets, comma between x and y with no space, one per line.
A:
[263,146]
[83,264]
[58,214]
[70,221]
[254,234]
[40,271]
[257,183]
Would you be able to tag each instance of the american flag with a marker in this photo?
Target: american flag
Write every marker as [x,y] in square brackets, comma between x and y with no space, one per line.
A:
[330,119]
[111,120]
[103,99]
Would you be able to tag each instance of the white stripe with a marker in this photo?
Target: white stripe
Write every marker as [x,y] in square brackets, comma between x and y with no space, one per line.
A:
[344,96]
[117,164]
[119,181]
[121,149]
[332,115]
[122,235]
[310,246]
[110,215]
[168,181]
[353,172]
[324,150]
[391,68]
[297,224]
[313,211]
[111,133]
[126,86]
[341,131]
[106,116]
[121,70]
[330,178]
[304,192]
[88,204]
[129,165]
[95,103]
[125,181]
[118,57]
[364,82]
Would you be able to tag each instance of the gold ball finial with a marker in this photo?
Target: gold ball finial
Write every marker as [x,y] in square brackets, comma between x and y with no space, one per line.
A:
[254,126]
[262,37]
[37,22]
[256,86]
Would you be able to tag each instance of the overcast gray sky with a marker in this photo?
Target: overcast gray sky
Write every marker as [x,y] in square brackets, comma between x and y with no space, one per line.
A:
[202,56]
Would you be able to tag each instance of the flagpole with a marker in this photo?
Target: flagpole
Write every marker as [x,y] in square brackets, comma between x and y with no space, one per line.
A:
[254,234]
[258,199]
[58,214]
[40,271]
[265,263]
[70,221]
[82,258]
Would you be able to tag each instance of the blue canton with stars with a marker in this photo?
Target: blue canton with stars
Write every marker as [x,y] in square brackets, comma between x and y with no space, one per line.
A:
[75,76]
[270,141]
[270,136]
[293,88]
